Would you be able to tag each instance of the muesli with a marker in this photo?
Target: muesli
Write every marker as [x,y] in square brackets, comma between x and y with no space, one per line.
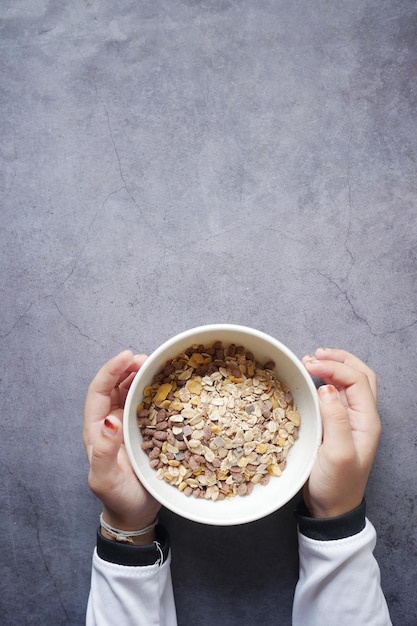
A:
[215,422]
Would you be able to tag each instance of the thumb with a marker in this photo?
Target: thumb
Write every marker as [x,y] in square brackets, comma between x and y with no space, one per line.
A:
[103,462]
[337,431]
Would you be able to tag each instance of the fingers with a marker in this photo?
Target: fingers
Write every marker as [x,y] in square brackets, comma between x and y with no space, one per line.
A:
[337,373]
[117,371]
[103,453]
[107,392]
[357,390]
[345,375]
[112,373]
[98,401]
[342,356]
[337,431]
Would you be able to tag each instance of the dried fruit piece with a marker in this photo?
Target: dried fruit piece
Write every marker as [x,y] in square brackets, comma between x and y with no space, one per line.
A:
[162,393]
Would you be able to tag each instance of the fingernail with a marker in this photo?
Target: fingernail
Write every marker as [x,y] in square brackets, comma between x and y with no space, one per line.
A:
[309,358]
[328,393]
[109,428]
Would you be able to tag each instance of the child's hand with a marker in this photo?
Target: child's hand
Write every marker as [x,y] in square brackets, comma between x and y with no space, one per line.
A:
[351,429]
[126,504]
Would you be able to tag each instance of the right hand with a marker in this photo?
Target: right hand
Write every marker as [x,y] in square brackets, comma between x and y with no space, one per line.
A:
[351,430]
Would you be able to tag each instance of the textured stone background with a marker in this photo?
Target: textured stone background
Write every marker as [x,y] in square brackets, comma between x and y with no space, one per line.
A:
[169,163]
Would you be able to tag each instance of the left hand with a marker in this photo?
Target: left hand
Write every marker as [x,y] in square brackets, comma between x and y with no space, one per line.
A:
[126,504]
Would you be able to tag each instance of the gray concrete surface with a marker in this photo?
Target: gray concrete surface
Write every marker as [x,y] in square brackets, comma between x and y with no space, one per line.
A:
[170,163]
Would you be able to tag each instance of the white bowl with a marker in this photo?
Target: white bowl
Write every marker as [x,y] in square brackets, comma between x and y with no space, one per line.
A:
[264,499]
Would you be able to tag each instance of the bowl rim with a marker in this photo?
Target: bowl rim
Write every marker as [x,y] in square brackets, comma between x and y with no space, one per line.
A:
[127,426]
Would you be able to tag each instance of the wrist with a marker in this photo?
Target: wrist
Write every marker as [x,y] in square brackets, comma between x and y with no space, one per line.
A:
[132,555]
[127,522]
[331,528]
[142,540]
[327,504]
[137,533]
[318,511]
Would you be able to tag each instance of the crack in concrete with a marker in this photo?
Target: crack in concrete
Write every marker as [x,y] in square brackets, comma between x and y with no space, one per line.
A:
[344,292]
[225,232]
[22,315]
[73,325]
[44,561]
[349,187]
[11,532]
[39,543]
[10,185]
[87,232]
[68,321]
[122,176]
[115,149]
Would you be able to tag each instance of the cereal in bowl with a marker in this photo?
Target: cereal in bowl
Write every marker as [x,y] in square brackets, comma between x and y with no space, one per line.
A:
[215,422]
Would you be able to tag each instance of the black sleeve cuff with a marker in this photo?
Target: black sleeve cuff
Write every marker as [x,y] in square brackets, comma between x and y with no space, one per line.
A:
[331,528]
[127,554]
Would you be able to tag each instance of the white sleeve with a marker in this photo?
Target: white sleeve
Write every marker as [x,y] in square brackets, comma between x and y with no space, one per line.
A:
[339,582]
[130,595]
